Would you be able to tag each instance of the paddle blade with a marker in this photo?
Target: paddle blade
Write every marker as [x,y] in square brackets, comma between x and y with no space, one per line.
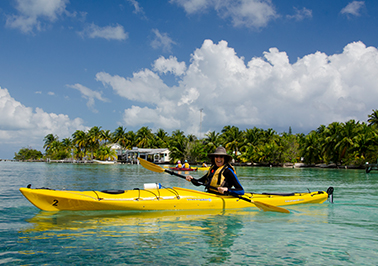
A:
[150,166]
[271,208]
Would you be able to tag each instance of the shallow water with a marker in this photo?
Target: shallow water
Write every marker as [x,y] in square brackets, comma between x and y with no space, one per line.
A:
[343,233]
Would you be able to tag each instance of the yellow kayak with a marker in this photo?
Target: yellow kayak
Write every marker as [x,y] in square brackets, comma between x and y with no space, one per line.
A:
[153,199]
[202,168]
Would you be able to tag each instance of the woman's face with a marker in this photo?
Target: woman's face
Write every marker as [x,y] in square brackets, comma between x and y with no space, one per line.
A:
[219,160]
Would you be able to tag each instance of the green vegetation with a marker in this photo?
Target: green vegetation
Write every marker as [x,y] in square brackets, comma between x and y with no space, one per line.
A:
[350,143]
[28,154]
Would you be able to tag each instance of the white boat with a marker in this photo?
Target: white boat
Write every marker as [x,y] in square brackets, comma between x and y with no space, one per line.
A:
[104,162]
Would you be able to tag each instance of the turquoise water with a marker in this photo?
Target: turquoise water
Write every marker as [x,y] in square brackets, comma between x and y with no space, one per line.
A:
[343,233]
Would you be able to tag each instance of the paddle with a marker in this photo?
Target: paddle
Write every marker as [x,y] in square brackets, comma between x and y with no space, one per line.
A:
[262,206]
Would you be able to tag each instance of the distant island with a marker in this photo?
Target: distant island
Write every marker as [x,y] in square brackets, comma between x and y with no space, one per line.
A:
[352,143]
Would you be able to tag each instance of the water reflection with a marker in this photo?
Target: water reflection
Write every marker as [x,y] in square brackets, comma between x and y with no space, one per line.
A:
[215,231]
[56,221]
[220,233]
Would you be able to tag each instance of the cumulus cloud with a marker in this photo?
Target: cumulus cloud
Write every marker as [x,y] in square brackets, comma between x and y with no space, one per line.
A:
[32,13]
[22,126]
[266,91]
[145,86]
[90,95]
[170,65]
[107,32]
[247,13]
[162,40]
[353,8]
[135,116]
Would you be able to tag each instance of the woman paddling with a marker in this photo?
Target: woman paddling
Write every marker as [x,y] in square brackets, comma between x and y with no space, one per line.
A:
[221,177]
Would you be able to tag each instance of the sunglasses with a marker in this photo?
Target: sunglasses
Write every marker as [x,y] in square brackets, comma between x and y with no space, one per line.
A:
[218,156]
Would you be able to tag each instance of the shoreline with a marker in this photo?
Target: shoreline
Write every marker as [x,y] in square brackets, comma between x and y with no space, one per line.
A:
[285,165]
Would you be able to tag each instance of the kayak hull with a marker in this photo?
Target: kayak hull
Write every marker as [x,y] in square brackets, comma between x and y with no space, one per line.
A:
[202,168]
[157,199]
[183,169]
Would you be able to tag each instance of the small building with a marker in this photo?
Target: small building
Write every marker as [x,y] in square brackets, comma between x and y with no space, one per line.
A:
[116,147]
[152,155]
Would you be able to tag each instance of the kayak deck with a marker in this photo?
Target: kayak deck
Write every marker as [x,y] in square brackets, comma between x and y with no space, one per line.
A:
[158,199]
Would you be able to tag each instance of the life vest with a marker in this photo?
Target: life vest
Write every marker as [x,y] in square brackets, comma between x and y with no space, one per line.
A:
[179,165]
[186,166]
[218,179]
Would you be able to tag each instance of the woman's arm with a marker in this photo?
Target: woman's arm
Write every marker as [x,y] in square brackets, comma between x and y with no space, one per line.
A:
[233,181]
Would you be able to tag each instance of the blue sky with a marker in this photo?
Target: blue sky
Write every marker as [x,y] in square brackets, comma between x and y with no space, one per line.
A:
[68,65]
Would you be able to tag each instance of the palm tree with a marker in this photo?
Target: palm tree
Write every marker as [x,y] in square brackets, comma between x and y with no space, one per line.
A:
[49,139]
[131,139]
[212,141]
[144,137]
[311,148]
[94,138]
[67,144]
[364,144]
[373,118]
[80,140]
[106,136]
[56,147]
[104,153]
[252,138]
[232,139]
[177,145]
[347,136]
[120,137]
[329,139]
[161,138]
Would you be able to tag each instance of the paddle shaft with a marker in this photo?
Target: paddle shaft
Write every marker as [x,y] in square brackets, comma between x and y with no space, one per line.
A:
[174,173]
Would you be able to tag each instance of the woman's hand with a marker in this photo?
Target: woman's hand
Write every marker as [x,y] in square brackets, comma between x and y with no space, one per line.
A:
[189,178]
[222,189]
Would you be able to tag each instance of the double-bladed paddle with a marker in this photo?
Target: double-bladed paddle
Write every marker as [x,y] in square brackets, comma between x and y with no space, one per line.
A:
[262,206]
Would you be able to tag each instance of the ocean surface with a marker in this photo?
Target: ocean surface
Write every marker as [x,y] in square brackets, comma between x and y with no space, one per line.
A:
[342,233]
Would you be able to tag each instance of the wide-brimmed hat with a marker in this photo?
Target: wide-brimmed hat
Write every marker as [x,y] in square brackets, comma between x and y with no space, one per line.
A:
[220,151]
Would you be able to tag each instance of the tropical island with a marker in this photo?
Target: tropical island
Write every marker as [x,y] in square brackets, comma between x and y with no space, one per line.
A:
[352,144]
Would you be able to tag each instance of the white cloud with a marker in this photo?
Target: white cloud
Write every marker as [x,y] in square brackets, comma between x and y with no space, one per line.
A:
[247,13]
[22,126]
[32,14]
[190,95]
[136,116]
[108,32]
[138,9]
[301,14]
[193,6]
[171,64]
[162,41]
[145,86]
[267,91]
[353,8]
[89,94]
